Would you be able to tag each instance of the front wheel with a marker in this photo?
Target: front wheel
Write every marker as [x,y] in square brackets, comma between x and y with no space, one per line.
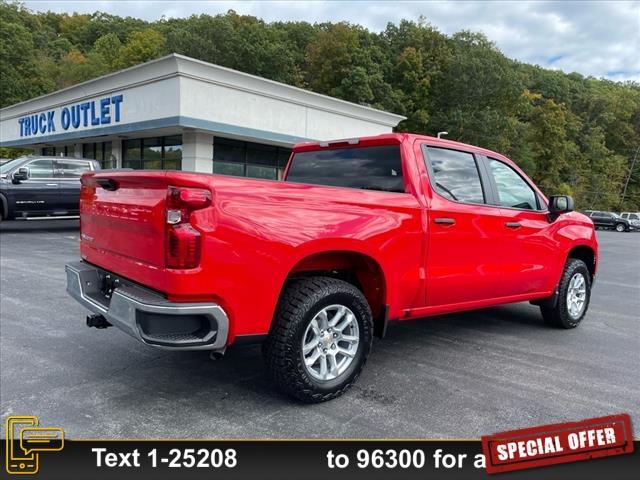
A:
[620,227]
[320,339]
[574,293]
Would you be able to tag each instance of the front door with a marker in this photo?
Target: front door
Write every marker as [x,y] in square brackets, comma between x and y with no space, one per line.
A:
[463,256]
[39,193]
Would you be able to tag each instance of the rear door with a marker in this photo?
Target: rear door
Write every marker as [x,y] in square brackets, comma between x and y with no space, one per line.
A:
[598,219]
[463,257]
[603,219]
[526,247]
[68,173]
[38,194]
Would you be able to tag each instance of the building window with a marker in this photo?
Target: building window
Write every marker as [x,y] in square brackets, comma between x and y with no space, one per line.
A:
[153,153]
[53,151]
[100,151]
[247,159]
[172,152]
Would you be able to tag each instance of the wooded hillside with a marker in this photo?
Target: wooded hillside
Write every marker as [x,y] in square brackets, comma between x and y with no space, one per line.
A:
[571,134]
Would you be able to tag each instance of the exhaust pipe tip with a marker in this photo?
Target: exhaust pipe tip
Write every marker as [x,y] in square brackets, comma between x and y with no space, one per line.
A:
[97,321]
[217,354]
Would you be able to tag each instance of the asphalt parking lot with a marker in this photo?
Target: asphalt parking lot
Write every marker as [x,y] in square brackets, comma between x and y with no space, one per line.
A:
[455,376]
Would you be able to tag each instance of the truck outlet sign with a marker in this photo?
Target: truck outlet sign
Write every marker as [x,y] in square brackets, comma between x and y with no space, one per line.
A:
[104,111]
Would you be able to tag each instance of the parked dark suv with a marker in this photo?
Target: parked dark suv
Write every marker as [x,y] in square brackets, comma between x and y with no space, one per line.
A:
[610,220]
[42,186]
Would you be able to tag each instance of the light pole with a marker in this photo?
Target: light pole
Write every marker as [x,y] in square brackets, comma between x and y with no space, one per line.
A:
[442,133]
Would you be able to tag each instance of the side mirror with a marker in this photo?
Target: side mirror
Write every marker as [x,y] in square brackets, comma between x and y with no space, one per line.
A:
[560,204]
[20,175]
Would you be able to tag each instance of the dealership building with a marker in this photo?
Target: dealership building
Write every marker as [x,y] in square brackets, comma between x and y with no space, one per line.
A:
[180,113]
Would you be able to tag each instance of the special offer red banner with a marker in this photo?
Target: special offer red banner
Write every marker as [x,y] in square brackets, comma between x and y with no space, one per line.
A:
[558,443]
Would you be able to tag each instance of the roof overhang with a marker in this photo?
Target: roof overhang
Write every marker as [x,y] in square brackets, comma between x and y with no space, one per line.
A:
[179,91]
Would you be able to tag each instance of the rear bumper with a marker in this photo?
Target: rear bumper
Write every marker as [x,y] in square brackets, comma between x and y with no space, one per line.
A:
[146,315]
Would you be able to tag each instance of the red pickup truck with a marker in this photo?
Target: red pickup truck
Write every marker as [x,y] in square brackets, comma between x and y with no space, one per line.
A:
[360,233]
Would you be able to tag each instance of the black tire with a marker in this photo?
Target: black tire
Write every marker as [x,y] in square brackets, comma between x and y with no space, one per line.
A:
[620,227]
[559,316]
[299,303]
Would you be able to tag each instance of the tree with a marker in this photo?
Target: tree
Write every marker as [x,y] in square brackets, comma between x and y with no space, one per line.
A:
[73,26]
[330,57]
[477,95]
[141,46]
[21,76]
[76,67]
[606,171]
[109,48]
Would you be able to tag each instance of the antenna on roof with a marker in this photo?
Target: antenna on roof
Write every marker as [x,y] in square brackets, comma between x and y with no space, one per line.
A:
[442,133]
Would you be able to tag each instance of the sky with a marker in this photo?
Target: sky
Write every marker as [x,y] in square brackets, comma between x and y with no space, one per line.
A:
[599,38]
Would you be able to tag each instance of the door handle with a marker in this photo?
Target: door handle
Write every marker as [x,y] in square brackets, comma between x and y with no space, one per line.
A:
[51,184]
[513,225]
[444,221]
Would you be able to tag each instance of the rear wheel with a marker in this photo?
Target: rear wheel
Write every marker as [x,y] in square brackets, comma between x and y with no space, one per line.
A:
[320,339]
[620,227]
[574,293]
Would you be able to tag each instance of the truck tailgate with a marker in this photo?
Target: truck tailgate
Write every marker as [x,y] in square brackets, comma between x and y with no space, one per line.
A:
[123,215]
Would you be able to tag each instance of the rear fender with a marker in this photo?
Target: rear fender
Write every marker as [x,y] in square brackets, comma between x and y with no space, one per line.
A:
[350,255]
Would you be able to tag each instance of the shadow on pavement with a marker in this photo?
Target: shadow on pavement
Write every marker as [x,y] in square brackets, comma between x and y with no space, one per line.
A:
[241,371]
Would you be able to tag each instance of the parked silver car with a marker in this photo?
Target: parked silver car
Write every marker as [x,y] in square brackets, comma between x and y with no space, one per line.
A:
[633,217]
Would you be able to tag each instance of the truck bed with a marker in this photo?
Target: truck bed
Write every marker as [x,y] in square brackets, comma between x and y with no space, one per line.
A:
[253,235]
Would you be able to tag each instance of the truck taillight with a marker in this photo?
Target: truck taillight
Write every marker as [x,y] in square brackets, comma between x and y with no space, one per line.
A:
[184,242]
[183,246]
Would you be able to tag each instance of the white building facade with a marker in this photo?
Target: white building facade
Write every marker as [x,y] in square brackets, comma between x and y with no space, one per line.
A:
[180,113]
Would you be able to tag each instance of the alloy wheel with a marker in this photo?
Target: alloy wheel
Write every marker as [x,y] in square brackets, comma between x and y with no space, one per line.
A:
[576,295]
[330,342]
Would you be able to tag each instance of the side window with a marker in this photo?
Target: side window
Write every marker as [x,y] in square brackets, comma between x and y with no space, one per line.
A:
[513,191]
[71,169]
[40,169]
[455,174]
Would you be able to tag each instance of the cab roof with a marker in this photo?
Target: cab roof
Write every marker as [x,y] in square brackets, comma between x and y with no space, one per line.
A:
[387,138]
